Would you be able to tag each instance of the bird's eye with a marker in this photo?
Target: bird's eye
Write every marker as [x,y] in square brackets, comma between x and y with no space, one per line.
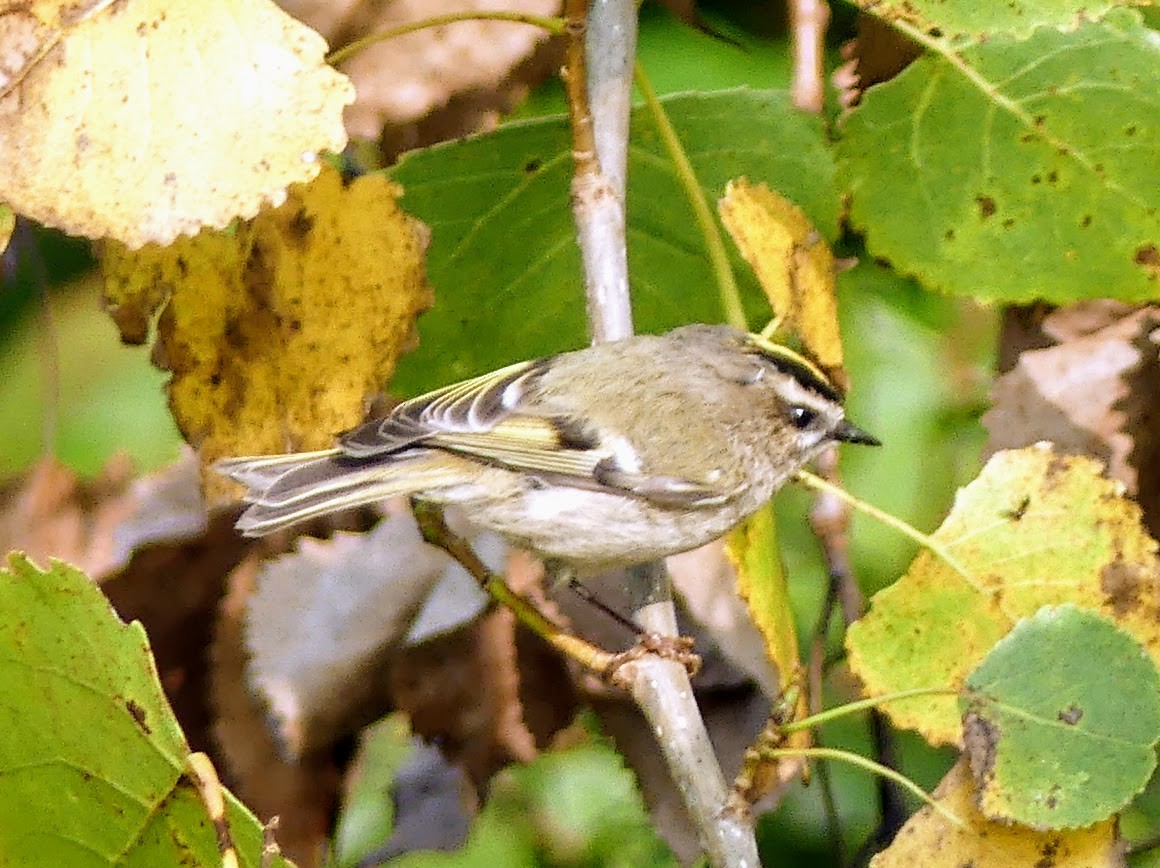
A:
[802,417]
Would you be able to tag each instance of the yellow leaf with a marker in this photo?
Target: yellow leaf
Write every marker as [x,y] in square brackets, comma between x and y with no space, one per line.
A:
[278,332]
[752,550]
[143,121]
[793,264]
[930,840]
[1035,528]
[7,226]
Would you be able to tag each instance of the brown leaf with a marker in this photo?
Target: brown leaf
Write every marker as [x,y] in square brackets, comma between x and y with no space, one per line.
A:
[411,77]
[301,794]
[52,513]
[324,622]
[1071,393]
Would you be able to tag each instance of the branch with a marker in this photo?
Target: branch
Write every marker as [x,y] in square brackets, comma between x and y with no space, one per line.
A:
[599,106]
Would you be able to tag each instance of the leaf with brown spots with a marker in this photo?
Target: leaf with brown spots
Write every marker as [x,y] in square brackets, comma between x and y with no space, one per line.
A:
[84,714]
[793,263]
[1035,528]
[931,840]
[277,333]
[142,121]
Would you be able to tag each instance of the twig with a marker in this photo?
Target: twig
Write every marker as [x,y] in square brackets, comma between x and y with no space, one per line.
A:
[598,195]
[808,40]
[553,25]
[605,44]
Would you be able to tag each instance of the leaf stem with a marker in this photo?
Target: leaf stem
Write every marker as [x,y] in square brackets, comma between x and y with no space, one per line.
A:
[555,26]
[863,705]
[710,229]
[937,548]
[871,766]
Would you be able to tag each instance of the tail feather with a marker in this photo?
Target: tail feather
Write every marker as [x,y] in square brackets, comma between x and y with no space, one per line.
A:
[287,489]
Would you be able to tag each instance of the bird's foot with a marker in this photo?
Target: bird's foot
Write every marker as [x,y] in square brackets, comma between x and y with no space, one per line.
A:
[675,648]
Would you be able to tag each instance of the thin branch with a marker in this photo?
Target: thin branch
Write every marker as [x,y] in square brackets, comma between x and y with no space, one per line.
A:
[605,44]
[706,221]
[808,42]
[555,26]
[598,196]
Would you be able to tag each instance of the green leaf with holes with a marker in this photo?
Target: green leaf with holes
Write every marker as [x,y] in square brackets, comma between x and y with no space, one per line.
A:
[503,257]
[1017,170]
[91,756]
[1061,720]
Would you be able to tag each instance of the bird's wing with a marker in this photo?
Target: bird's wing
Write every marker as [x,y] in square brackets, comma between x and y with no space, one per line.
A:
[500,419]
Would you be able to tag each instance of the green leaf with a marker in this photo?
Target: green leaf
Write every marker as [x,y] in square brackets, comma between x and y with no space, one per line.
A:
[368,808]
[1015,554]
[503,257]
[951,18]
[570,807]
[1018,170]
[91,756]
[1061,720]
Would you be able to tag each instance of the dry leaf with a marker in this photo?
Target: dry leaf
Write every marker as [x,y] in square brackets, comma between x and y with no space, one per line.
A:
[54,514]
[409,77]
[302,793]
[1071,394]
[144,121]
[793,263]
[278,332]
[929,839]
[325,620]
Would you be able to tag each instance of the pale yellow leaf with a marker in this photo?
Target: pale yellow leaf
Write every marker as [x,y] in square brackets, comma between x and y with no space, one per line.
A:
[142,121]
[793,264]
[931,840]
[1035,528]
[277,333]
[7,226]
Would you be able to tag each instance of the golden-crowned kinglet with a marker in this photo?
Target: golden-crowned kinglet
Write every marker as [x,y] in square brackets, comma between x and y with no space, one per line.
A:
[605,457]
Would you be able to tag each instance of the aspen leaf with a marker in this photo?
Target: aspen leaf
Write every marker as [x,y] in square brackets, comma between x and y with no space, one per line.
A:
[1061,720]
[278,332]
[792,262]
[1035,528]
[753,551]
[144,121]
[92,759]
[931,840]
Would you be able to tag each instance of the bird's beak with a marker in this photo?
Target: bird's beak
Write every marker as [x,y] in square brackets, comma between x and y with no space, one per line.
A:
[848,433]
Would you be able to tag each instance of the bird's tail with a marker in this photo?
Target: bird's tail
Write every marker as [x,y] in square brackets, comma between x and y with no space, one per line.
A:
[287,489]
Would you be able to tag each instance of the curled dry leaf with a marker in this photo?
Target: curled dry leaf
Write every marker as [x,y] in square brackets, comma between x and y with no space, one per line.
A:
[1073,394]
[793,264]
[52,513]
[104,131]
[325,620]
[411,76]
[277,333]
[931,840]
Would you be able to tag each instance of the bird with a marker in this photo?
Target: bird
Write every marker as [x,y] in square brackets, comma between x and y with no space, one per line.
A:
[596,459]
